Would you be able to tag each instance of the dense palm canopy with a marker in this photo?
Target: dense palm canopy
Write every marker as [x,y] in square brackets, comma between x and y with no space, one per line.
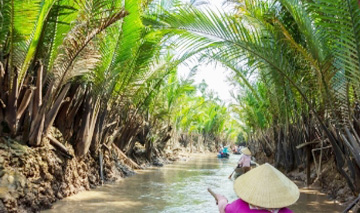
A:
[105,72]
[95,71]
[304,57]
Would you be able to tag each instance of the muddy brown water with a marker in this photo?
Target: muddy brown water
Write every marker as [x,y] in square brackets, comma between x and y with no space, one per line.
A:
[177,188]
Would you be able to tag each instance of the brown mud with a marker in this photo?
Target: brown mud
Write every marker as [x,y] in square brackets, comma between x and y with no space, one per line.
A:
[32,179]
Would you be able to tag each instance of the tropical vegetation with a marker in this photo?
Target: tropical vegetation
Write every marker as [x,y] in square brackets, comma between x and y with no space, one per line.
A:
[297,64]
[93,70]
[104,73]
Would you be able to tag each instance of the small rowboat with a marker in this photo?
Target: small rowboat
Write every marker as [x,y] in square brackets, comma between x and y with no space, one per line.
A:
[239,171]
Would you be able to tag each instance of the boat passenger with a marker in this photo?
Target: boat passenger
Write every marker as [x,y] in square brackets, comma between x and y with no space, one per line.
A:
[245,160]
[221,150]
[225,150]
[240,148]
[262,190]
[234,149]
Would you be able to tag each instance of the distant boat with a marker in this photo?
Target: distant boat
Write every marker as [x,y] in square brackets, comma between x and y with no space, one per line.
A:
[223,155]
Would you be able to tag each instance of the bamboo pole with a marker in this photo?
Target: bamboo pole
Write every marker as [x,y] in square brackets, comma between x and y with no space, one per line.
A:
[320,157]
[318,165]
[308,153]
[352,204]
[101,162]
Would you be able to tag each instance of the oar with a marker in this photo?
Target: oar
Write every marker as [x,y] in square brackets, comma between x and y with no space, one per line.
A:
[232,173]
[213,194]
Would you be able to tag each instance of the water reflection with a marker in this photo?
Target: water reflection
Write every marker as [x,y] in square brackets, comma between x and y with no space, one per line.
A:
[181,187]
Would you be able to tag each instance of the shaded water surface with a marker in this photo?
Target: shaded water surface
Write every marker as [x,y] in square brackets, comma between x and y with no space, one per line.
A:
[180,187]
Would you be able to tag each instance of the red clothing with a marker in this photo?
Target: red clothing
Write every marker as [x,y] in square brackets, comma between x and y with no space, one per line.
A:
[240,206]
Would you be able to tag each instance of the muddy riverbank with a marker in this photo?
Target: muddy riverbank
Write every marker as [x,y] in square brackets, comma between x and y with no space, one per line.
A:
[32,179]
[179,187]
[328,181]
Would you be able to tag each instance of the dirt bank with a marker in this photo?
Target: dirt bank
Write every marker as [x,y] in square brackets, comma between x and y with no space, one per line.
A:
[329,180]
[31,179]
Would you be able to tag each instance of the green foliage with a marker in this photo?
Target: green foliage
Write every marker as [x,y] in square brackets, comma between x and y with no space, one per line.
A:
[288,57]
[278,42]
[200,114]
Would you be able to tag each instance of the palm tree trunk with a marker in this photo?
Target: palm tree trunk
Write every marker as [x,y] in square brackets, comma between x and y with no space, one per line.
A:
[90,114]
[66,118]
[99,130]
[38,91]
[11,107]
[41,123]
[25,102]
[51,115]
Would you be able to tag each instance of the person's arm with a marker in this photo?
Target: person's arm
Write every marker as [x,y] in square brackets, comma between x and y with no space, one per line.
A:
[221,202]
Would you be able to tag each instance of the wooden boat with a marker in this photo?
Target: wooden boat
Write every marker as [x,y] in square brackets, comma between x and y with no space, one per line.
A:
[239,171]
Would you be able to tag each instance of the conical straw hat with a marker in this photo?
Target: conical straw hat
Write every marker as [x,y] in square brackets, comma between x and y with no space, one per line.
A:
[246,151]
[266,187]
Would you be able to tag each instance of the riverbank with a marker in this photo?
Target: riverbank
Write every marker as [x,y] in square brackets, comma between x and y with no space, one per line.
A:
[32,179]
[329,181]
[174,188]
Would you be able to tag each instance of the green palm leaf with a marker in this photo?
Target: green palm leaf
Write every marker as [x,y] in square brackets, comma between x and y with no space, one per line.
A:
[19,19]
[77,54]
[341,23]
[45,8]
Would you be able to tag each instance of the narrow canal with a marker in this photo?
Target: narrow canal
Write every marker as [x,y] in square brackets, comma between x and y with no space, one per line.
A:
[177,188]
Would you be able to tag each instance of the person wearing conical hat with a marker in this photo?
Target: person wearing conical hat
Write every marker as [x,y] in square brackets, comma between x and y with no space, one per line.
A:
[245,160]
[263,189]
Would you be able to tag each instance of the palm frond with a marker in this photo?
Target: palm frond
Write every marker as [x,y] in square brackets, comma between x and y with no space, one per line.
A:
[76,49]
[130,40]
[62,18]
[45,8]
[22,17]
[341,23]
